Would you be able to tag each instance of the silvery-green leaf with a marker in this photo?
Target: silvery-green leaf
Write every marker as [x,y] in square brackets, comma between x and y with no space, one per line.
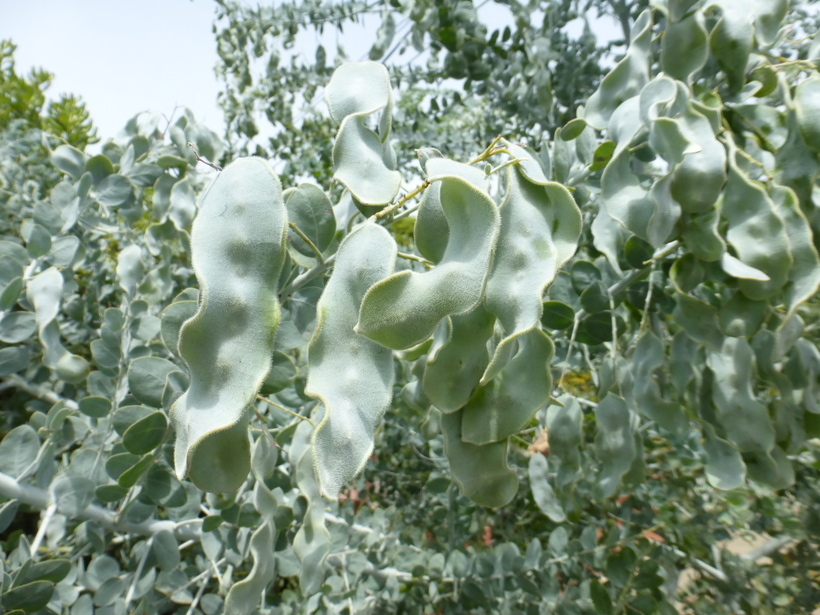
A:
[38,242]
[404,309]
[698,319]
[564,437]
[146,379]
[724,465]
[129,268]
[237,242]
[182,204]
[738,269]
[310,210]
[69,160]
[146,434]
[16,327]
[431,231]
[350,375]
[608,237]
[43,292]
[18,450]
[700,234]
[11,293]
[542,490]
[480,471]
[115,191]
[740,316]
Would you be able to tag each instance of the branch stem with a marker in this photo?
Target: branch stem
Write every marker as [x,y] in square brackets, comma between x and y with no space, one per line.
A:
[41,499]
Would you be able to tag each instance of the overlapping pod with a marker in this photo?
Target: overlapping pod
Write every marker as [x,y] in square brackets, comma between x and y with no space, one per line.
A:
[539,232]
[238,247]
[364,160]
[350,375]
[405,308]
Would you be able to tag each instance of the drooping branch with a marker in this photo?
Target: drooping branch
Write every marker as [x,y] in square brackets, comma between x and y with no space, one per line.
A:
[41,499]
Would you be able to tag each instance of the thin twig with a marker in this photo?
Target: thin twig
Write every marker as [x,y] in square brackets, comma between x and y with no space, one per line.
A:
[303,278]
[413,257]
[311,245]
[129,596]
[490,151]
[202,160]
[402,200]
[647,302]
[291,412]
[561,381]
[41,531]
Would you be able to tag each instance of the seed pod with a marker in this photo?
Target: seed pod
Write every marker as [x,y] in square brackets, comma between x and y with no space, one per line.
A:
[237,247]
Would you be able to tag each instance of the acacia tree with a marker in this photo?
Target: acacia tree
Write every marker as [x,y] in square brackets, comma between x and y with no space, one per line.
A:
[575,373]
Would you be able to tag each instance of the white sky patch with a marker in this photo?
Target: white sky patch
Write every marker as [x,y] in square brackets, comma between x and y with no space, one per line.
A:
[121,57]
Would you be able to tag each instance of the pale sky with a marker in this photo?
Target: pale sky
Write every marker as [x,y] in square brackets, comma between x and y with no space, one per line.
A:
[121,57]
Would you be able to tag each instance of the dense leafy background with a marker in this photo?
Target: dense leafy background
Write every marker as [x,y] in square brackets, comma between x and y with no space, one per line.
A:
[684,327]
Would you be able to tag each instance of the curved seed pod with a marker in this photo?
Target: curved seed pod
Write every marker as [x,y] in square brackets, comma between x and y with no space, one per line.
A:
[807,110]
[359,163]
[480,471]
[237,246]
[540,228]
[626,79]
[646,393]
[362,158]
[614,443]
[455,363]
[687,34]
[405,308]
[756,232]
[503,406]
[731,41]
[350,375]
[432,232]
[311,544]
[358,87]
[699,178]
[745,419]
[804,276]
